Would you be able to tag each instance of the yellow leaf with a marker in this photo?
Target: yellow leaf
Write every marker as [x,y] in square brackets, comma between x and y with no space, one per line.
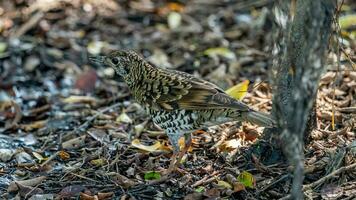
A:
[238,91]
[80,99]
[347,21]
[98,162]
[220,51]
[34,125]
[247,179]
[181,143]
[136,143]
[63,155]
[224,184]
[124,118]
[39,157]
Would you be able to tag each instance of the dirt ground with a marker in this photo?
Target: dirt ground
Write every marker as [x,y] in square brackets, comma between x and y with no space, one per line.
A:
[70,130]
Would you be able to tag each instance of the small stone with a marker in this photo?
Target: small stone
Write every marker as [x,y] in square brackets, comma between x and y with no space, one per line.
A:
[6,154]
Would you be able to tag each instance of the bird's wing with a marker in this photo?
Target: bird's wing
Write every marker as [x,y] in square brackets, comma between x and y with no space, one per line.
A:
[184,91]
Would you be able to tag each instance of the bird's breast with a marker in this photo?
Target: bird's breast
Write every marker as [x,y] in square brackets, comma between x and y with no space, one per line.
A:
[175,120]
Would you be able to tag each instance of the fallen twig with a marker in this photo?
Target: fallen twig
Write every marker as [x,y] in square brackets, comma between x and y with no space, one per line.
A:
[274,182]
[205,179]
[49,159]
[85,125]
[329,176]
[28,25]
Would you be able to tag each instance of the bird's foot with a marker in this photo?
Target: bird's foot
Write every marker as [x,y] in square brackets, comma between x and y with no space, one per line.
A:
[171,169]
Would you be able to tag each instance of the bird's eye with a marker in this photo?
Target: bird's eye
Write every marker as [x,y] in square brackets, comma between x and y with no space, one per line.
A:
[115,61]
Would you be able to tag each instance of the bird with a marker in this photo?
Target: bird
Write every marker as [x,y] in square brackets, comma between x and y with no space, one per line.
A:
[176,101]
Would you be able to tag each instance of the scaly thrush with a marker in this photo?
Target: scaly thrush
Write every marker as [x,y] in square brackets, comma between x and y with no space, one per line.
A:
[178,102]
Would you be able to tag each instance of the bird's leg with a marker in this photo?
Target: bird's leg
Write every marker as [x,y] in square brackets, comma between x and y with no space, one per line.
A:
[173,138]
[187,143]
[172,164]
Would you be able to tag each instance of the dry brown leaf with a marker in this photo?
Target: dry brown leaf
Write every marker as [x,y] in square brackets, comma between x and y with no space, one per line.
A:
[327,78]
[105,195]
[34,125]
[71,191]
[123,180]
[30,182]
[238,187]
[86,81]
[74,143]
[84,196]
[194,196]
[27,191]
[213,192]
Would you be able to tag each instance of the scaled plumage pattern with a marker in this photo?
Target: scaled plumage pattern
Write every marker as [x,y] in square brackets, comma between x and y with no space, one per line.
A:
[178,102]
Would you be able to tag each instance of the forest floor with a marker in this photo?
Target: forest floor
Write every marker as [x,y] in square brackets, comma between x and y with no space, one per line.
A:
[69,129]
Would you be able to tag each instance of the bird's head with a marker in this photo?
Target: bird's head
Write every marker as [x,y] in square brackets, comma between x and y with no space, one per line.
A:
[121,61]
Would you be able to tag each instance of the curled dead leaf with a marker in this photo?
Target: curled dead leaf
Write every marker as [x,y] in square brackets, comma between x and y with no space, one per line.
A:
[105,195]
[34,125]
[30,182]
[123,181]
[151,148]
[26,191]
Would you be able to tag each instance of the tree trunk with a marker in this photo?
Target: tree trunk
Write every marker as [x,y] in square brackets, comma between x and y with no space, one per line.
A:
[303,28]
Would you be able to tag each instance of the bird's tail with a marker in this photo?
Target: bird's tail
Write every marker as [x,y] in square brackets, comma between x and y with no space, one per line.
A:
[259,118]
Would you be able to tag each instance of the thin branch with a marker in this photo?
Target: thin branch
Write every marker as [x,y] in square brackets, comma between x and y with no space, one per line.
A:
[329,176]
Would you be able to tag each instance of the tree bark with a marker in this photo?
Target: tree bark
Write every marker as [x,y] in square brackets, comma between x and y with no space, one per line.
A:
[302,32]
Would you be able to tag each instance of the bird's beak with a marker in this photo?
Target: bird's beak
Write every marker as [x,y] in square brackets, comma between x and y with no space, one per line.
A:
[97,59]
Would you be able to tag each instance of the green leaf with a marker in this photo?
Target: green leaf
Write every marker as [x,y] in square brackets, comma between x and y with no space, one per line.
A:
[247,179]
[224,184]
[3,47]
[152,175]
[200,189]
